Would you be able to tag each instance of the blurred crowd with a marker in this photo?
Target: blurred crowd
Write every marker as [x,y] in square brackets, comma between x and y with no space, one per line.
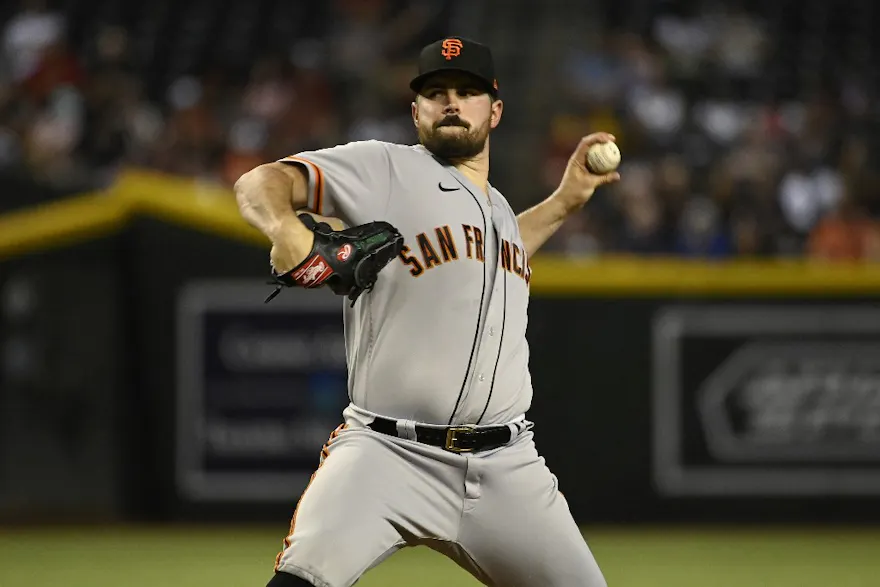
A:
[74,114]
[715,165]
[718,161]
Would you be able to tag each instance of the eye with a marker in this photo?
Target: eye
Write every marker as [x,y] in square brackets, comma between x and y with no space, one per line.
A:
[468,92]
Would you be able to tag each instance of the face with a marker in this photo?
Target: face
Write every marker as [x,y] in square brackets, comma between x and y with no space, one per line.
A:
[454,116]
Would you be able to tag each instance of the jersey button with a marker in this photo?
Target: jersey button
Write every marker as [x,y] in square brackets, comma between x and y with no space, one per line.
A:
[482,377]
[491,332]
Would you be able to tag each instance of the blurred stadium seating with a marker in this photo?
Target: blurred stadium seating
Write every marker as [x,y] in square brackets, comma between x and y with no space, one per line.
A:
[748,128]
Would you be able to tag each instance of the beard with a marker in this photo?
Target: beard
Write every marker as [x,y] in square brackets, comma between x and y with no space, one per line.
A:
[454,146]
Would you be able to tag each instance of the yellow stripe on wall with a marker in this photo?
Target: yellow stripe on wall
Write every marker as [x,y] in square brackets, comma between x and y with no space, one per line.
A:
[212,209]
[60,223]
[185,202]
[621,275]
[77,219]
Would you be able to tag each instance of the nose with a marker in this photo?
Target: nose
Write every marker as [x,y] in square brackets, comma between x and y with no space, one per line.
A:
[451,106]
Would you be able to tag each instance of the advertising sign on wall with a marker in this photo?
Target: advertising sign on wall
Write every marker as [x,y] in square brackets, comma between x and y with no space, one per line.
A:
[260,387]
[766,400]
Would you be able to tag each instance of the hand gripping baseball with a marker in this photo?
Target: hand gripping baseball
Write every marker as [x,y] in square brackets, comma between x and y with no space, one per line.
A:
[347,261]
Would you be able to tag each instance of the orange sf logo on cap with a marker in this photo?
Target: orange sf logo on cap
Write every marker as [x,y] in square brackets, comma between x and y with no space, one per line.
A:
[451,48]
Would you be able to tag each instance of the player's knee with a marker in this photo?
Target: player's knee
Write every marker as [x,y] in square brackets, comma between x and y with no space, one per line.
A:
[282,579]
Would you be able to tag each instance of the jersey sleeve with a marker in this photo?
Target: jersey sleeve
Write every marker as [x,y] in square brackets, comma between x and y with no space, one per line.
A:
[351,181]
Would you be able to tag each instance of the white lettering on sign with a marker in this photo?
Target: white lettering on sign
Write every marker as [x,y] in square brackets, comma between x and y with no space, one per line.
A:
[785,400]
[254,350]
[262,437]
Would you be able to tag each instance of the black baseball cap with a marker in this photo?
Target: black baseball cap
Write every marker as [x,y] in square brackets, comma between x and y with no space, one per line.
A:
[457,54]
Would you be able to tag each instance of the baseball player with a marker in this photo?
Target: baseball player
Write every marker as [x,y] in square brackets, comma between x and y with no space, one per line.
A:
[435,448]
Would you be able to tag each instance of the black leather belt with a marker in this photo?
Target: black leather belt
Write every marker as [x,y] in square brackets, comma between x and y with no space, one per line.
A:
[455,439]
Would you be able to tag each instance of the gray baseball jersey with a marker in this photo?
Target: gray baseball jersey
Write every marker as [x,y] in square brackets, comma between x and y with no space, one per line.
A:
[439,340]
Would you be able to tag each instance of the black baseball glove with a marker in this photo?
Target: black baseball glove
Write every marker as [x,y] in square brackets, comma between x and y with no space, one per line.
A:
[347,261]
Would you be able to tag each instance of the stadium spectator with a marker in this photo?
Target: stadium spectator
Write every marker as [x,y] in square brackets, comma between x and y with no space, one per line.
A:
[845,234]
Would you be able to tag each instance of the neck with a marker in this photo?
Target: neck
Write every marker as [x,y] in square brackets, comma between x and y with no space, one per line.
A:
[476,169]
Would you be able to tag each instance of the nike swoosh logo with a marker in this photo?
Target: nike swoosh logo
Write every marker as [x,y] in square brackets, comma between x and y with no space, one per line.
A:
[443,189]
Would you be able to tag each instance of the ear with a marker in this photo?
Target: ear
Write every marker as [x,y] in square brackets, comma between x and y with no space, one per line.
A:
[415,112]
[495,115]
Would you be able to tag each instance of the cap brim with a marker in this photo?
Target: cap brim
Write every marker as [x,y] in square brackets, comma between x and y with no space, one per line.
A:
[416,84]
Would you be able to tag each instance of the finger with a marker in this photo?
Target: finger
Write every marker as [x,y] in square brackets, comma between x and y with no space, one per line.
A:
[588,141]
[609,178]
[335,223]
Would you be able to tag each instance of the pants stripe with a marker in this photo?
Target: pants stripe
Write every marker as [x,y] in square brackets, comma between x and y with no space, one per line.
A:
[325,452]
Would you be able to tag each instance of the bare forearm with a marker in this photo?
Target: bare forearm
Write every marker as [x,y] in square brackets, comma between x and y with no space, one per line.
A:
[268,197]
[540,222]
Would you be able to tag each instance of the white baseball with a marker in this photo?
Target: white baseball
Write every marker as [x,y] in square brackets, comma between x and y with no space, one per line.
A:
[603,158]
